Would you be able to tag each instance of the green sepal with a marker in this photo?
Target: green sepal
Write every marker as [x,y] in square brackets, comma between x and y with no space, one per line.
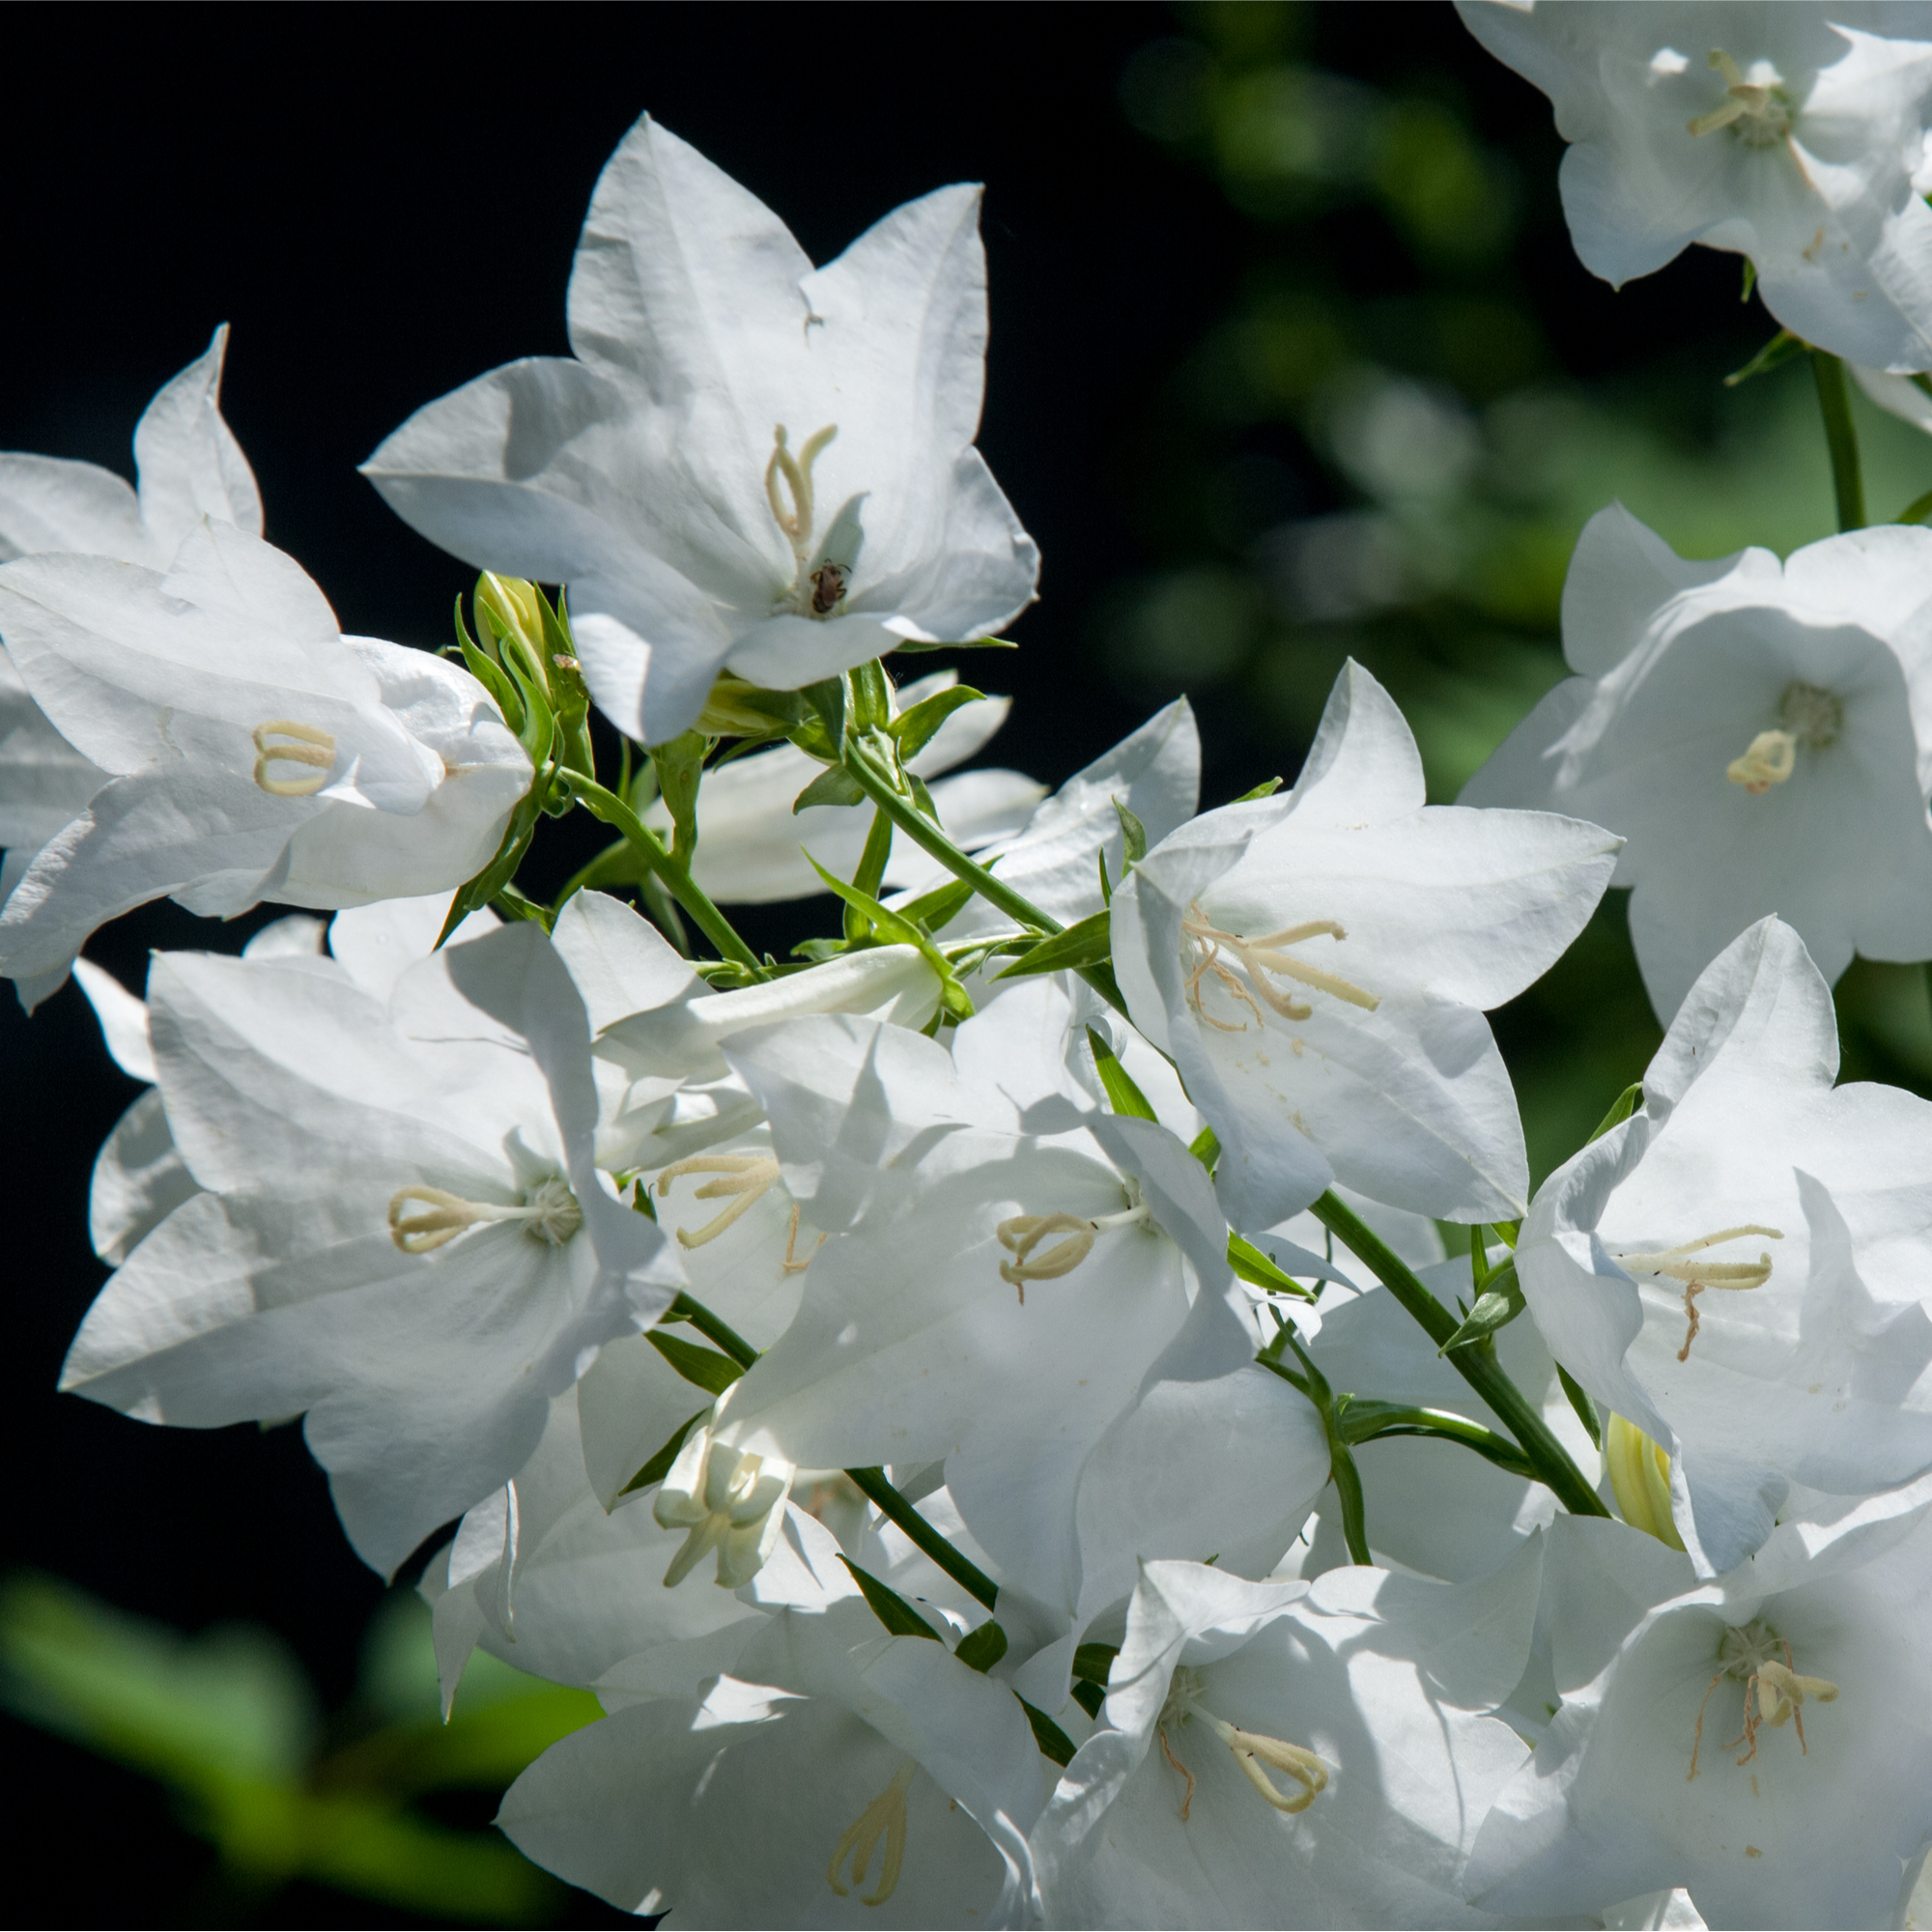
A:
[702,1368]
[1781,347]
[568,692]
[871,696]
[1122,1095]
[1206,1147]
[1579,1401]
[1085,944]
[827,697]
[1053,1742]
[1094,1660]
[1133,834]
[890,1607]
[834,785]
[1265,789]
[659,1467]
[1751,279]
[489,673]
[922,796]
[909,645]
[679,763]
[1252,1265]
[511,904]
[1496,1307]
[912,731]
[895,929]
[982,1648]
[1621,1109]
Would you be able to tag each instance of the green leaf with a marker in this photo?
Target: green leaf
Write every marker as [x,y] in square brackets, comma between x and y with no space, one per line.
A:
[982,1648]
[1089,1697]
[1916,511]
[1093,1660]
[1751,279]
[913,729]
[659,1467]
[702,1368]
[834,785]
[1781,347]
[489,673]
[937,909]
[1252,1265]
[1133,834]
[895,927]
[1206,1147]
[1122,1095]
[827,697]
[890,1607]
[1496,1307]
[1624,1106]
[1265,789]
[1579,1401]
[871,696]
[871,872]
[910,645]
[1085,944]
[1053,1742]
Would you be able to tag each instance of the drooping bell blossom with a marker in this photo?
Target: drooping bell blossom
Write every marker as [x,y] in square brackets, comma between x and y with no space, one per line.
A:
[750,839]
[190,467]
[1741,1268]
[1071,1342]
[1277,1753]
[1791,134]
[1761,1740]
[403,1233]
[255,751]
[1759,733]
[1317,964]
[835,1769]
[747,461]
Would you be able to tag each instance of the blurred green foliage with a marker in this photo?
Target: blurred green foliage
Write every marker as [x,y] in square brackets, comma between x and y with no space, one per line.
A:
[1376,452]
[229,1725]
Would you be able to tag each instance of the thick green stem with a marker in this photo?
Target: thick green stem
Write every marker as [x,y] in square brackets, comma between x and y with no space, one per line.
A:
[1475,1362]
[1842,437]
[872,1482]
[689,894]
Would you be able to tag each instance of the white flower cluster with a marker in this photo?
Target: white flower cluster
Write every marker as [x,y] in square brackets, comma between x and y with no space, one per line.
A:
[984,1403]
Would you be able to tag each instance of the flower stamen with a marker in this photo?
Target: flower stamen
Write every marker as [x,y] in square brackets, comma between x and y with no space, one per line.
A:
[796,519]
[1676,1265]
[1022,1234]
[1261,957]
[1167,1752]
[1774,1691]
[550,1214]
[1771,759]
[1759,111]
[312,746]
[1252,1751]
[725,1501]
[884,1817]
[745,1177]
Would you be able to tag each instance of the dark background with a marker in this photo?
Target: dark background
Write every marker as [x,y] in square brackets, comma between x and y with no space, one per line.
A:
[382,203]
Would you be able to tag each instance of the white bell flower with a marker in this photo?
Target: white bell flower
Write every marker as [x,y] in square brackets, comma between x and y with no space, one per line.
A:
[835,1769]
[1760,734]
[1740,1268]
[1282,1754]
[403,1234]
[1791,134]
[748,460]
[1317,964]
[750,840]
[1760,1740]
[256,753]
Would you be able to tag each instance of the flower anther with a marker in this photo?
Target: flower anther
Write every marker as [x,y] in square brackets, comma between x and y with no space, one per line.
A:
[822,579]
[1259,957]
[742,1177]
[1678,1264]
[1022,1234]
[309,745]
[1253,1750]
[885,1817]
[725,1499]
[1757,110]
[550,1212]
[1755,1655]
[1808,718]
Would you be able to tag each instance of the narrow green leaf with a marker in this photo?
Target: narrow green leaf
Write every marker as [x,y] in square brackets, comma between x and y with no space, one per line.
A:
[1053,1742]
[1089,1697]
[912,731]
[1122,1095]
[1916,511]
[1133,834]
[1751,279]
[1206,1147]
[659,1467]
[1621,1109]
[1579,1401]
[982,1648]
[937,909]
[1265,789]
[1093,1660]
[1086,943]
[1781,347]
[702,1368]
[895,927]
[909,646]
[890,1607]
[1252,1265]
[834,785]
[1479,1257]
[871,872]
[489,673]
[1496,1307]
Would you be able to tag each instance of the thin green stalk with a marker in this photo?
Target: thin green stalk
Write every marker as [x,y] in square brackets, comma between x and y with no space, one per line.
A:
[1396,1420]
[689,894]
[707,1324]
[1841,437]
[1476,1362]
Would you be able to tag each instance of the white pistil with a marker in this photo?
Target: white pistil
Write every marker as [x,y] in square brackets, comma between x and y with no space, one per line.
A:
[1809,718]
[743,1179]
[1252,1751]
[1260,957]
[725,1499]
[1771,759]
[1678,1265]
[1757,111]
[1748,1654]
[550,1214]
[885,1817]
[1022,1234]
[310,745]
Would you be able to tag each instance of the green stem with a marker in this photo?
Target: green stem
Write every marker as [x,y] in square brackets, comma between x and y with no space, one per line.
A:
[689,894]
[923,832]
[1841,437]
[1452,1428]
[707,1324]
[872,1482]
[1476,1362]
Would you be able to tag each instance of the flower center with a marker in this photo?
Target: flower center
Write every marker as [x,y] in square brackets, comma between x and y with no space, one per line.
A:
[1809,717]
[1022,1234]
[1253,1750]
[1755,1655]
[1757,111]
[885,1817]
[550,1214]
[727,1501]
[823,574]
[308,744]
[1260,957]
[1680,1263]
